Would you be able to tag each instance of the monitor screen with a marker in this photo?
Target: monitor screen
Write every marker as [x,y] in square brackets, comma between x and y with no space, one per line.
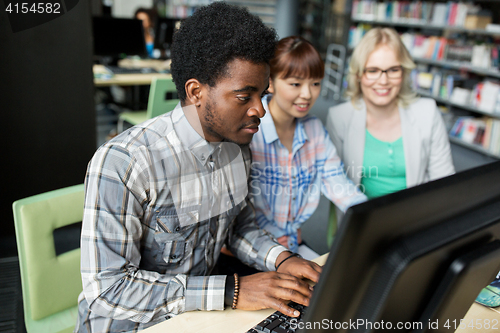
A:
[420,255]
[115,37]
[164,31]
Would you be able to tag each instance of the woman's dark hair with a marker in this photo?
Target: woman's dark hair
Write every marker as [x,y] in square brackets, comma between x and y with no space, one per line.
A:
[295,56]
[151,13]
[212,37]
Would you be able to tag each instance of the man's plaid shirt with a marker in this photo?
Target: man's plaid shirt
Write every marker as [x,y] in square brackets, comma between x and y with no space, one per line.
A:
[160,203]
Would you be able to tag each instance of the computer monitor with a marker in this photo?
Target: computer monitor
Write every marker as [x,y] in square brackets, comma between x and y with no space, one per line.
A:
[420,255]
[116,37]
[164,32]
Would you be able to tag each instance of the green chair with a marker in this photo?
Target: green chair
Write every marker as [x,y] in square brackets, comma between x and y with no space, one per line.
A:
[50,283]
[157,103]
[332,225]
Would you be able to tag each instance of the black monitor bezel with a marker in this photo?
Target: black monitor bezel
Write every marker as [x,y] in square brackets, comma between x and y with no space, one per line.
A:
[164,43]
[371,228]
[106,33]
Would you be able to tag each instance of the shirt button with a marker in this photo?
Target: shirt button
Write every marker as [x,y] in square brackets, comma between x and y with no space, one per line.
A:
[293,198]
[177,228]
[173,256]
[202,156]
[390,151]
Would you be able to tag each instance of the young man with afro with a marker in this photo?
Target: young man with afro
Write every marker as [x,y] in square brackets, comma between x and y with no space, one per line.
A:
[163,197]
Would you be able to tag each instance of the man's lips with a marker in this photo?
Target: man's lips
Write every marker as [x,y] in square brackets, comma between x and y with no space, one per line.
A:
[252,125]
[251,128]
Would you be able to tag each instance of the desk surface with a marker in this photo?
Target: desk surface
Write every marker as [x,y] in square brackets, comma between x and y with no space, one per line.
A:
[235,321]
[102,77]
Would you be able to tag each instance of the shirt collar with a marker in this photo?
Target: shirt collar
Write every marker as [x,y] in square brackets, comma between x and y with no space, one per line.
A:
[266,123]
[199,147]
[269,130]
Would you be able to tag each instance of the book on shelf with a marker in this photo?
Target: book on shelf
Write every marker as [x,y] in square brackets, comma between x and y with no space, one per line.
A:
[470,129]
[487,133]
[457,129]
[482,132]
[439,14]
[486,96]
[451,13]
[460,96]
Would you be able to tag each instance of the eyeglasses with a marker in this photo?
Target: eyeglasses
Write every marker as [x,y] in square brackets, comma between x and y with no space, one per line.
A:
[374,73]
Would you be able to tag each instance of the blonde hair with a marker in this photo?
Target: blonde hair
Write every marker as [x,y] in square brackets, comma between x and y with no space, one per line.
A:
[373,39]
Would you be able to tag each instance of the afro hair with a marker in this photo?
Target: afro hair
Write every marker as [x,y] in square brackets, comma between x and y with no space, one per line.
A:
[212,37]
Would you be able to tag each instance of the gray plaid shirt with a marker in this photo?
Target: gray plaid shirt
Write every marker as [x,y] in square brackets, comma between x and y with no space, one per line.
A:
[160,203]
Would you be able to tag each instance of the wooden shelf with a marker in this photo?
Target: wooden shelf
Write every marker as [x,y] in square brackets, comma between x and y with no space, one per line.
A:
[472,146]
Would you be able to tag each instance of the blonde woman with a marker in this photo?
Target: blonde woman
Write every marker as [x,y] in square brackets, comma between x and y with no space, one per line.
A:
[388,138]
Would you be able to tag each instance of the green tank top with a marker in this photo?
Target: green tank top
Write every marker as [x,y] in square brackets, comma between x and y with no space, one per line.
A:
[384,168]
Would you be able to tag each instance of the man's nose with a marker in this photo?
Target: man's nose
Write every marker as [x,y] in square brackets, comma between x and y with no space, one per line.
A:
[257,110]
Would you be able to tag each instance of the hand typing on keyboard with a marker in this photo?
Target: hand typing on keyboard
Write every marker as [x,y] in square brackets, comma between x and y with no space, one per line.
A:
[276,289]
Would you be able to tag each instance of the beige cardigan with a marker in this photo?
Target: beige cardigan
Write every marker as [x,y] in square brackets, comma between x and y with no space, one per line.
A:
[425,141]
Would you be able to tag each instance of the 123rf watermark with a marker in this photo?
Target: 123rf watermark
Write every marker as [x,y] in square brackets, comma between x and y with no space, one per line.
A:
[326,324]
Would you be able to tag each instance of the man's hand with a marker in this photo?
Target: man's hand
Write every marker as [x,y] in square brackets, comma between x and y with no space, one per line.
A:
[275,289]
[298,267]
[272,290]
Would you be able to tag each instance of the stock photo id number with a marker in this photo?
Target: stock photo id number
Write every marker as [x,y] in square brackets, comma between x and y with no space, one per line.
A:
[27,14]
[34,8]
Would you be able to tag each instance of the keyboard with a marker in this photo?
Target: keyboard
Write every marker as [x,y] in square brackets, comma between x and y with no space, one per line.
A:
[280,323]
[125,70]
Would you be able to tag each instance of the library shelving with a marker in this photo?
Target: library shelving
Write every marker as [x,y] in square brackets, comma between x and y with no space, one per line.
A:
[490,72]
[425,25]
[451,23]
[457,105]
[472,146]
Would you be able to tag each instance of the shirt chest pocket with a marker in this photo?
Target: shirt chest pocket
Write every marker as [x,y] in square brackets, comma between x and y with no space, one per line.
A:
[174,241]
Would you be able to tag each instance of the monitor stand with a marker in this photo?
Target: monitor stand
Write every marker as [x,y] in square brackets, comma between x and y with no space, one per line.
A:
[465,278]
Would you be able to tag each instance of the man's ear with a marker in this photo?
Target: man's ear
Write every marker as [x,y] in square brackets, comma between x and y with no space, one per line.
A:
[271,87]
[194,92]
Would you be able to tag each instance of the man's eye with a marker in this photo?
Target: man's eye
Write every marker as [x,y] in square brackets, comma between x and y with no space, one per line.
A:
[243,98]
[316,84]
[295,84]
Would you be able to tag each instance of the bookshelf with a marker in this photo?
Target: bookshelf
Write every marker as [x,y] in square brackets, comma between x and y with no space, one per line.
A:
[446,39]
[490,72]
[457,105]
[424,25]
[264,9]
[472,146]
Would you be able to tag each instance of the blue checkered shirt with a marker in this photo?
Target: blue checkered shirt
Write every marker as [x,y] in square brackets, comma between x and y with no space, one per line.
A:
[286,186]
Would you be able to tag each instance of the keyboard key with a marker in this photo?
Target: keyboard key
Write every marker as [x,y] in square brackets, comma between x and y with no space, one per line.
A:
[279,322]
[275,323]
[285,325]
[279,329]
[262,324]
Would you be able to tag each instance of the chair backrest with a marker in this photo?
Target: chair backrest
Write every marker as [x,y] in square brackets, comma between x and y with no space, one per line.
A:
[50,283]
[158,103]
